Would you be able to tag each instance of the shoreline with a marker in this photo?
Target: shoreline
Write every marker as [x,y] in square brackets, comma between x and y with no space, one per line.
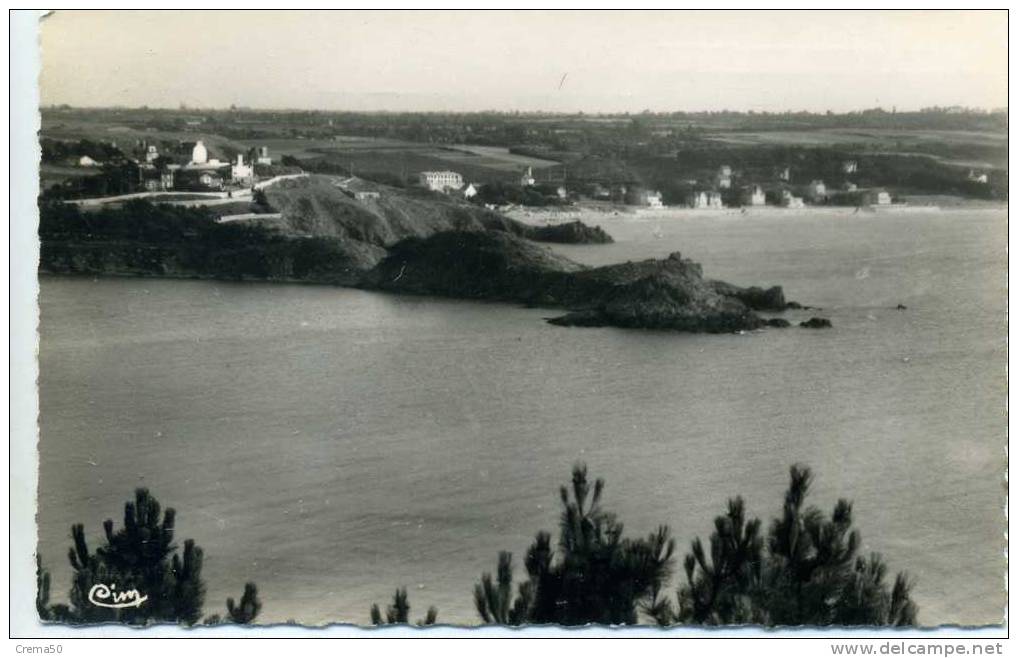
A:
[558,214]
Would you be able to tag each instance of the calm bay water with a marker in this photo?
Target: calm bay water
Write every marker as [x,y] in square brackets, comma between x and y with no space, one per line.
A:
[333,444]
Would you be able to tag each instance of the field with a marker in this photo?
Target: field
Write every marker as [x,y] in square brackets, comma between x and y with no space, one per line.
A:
[958,147]
[370,156]
[670,152]
[367,155]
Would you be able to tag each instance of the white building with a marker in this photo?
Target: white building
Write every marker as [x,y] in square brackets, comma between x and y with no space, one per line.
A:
[706,200]
[790,201]
[440,181]
[527,179]
[263,156]
[199,154]
[469,191]
[85,161]
[724,177]
[640,196]
[211,180]
[151,153]
[978,177]
[240,172]
[882,198]
[756,196]
[367,195]
[785,174]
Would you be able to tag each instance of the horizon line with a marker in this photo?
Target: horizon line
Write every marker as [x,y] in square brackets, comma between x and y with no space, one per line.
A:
[961,109]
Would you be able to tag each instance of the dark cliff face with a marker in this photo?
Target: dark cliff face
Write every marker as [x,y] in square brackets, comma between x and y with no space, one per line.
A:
[298,260]
[657,294]
[471,265]
[569,233]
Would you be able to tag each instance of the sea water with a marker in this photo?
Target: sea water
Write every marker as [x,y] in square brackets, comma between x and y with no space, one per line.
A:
[332,445]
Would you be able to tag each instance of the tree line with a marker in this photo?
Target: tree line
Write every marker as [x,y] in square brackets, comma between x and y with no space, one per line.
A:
[805,569]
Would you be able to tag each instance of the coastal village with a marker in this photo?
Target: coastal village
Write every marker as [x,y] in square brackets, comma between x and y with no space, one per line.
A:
[154,169]
[726,189]
[148,167]
[518,164]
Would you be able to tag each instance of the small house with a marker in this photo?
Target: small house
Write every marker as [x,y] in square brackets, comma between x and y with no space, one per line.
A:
[705,200]
[240,172]
[724,177]
[85,161]
[754,196]
[788,200]
[210,180]
[155,180]
[639,196]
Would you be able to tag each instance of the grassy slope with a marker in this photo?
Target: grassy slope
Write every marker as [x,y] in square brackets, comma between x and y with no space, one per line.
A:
[316,206]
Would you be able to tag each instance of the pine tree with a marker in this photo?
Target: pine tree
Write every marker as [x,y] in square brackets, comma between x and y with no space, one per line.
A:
[810,556]
[597,577]
[807,573]
[140,556]
[719,589]
[42,583]
[494,602]
[399,612]
[249,607]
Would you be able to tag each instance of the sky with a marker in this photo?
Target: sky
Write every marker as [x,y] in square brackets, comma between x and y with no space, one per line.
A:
[560,61]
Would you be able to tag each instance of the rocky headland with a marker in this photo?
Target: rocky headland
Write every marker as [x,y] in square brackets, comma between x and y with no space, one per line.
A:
[403,241]
[669,293]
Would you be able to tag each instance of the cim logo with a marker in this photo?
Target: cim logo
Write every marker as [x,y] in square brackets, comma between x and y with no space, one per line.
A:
[105,596]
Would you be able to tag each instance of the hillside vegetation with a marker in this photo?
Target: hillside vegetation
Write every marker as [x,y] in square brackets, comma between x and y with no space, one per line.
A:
[318,206]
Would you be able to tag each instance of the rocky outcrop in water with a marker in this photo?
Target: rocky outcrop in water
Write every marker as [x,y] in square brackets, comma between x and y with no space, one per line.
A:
[669,293]
[758,299]
[816,323]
